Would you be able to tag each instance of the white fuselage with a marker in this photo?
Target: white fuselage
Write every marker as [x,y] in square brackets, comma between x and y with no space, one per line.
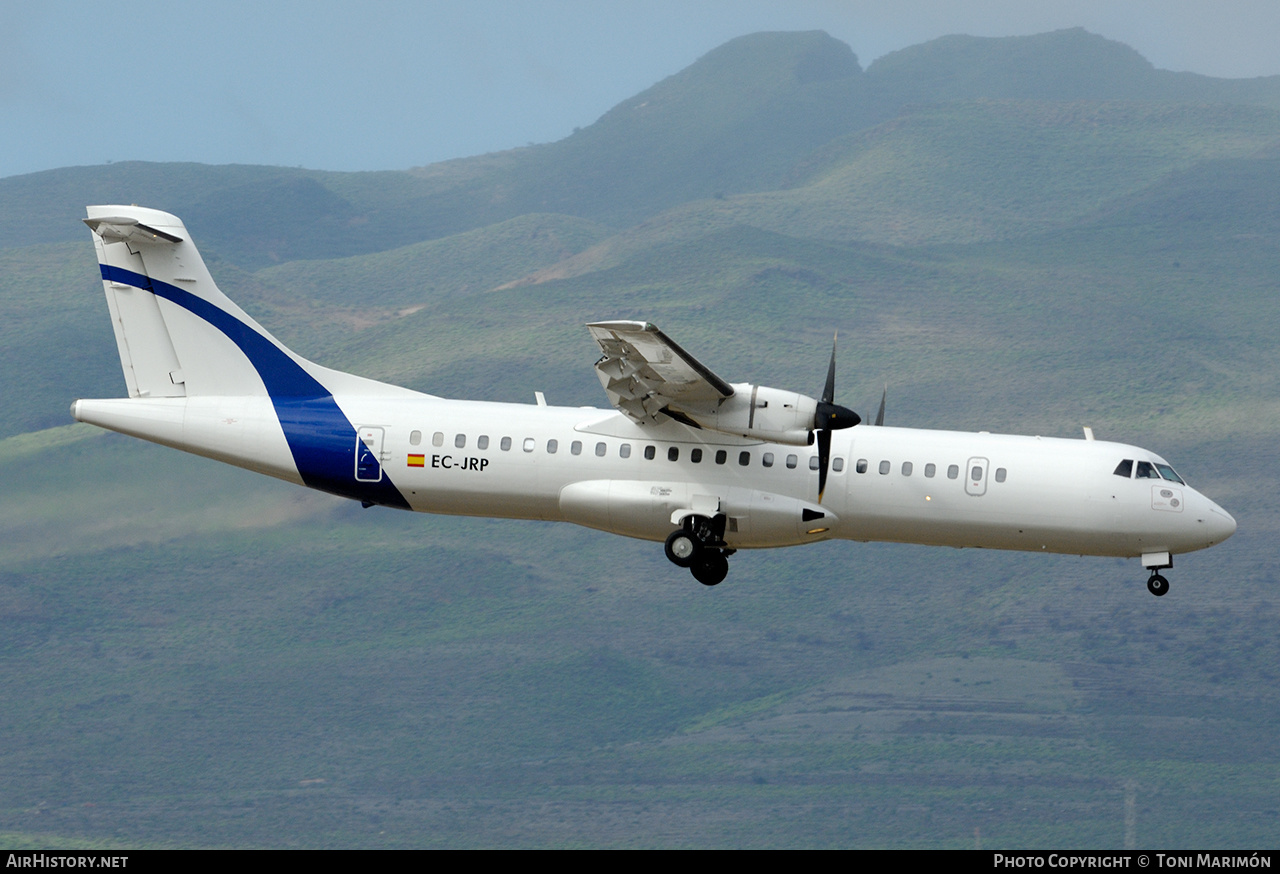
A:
[597,468]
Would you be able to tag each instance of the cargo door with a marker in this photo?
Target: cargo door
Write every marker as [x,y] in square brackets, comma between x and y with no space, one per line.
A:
[369,454]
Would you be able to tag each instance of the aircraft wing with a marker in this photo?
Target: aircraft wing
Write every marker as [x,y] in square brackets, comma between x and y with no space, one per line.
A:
[645,373]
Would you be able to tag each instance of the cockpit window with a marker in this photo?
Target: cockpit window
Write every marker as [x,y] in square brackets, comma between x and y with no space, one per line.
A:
[1125,468]
[1168,473]
[1147,470]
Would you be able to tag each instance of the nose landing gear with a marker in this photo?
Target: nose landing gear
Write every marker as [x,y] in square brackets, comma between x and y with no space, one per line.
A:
[699,546]
[1156,562]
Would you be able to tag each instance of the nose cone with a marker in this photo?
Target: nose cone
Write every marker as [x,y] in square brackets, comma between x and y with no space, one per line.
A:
[1219,522]
[834,417]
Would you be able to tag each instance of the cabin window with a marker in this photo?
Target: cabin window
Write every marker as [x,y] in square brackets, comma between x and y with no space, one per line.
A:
[552,446]
[575,448]
[837,464]
[1124,468]
[792,461]
[695,455]
[529,444]
[976,473]
[953,471]
[930,470]
[744,458]
[907,467]
[482,442]
[600,450]
[1167,472]
[813,462]
[1147,470]
[650,453]
[767,459]
[624,451]
[1001,473]
[884,468]
[415,438]
[437,439]
[673,453]
[505,444]
[721,456]
[460,441]
[861,466]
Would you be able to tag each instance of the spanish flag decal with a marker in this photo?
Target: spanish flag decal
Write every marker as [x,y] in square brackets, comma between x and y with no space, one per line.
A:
[417,460]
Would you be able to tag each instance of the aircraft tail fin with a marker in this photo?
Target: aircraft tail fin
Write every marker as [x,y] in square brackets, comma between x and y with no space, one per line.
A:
[177,334]
[208,372]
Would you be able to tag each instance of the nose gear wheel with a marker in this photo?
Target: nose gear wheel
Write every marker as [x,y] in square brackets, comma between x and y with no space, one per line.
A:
[1157,585]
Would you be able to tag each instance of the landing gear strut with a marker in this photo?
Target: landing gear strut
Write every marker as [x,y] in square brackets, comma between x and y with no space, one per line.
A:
[699,546]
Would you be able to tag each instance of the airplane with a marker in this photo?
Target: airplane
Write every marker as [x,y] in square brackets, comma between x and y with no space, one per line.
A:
[683,458]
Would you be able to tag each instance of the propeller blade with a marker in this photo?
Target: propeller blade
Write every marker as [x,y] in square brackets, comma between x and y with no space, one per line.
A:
[824,459]
[880,415]
[829,390]
[830,415]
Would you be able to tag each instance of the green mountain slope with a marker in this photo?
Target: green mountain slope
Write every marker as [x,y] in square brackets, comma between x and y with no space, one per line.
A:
[965,172]
[1217,200]
[314,304]
[971,171]
[733,121]
[466,263]
[52,341]
[1064,65]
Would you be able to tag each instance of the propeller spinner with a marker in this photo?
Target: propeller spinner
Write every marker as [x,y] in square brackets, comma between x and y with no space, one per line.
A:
[829,417]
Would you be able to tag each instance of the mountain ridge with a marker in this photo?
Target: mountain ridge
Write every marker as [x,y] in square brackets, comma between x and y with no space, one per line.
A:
[738,120]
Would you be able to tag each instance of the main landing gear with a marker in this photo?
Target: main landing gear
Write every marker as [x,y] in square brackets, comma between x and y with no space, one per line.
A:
[699,546]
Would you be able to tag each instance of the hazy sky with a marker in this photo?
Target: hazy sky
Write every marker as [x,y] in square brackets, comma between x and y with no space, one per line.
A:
[384,85]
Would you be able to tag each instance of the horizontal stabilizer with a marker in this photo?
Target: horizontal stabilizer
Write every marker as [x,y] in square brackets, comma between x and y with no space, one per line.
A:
[120,229]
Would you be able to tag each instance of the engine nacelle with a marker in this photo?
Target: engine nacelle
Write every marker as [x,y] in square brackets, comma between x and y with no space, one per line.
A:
[762,413]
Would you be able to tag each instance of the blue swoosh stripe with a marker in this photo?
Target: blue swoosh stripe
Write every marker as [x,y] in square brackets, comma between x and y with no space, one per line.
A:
[320,436]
